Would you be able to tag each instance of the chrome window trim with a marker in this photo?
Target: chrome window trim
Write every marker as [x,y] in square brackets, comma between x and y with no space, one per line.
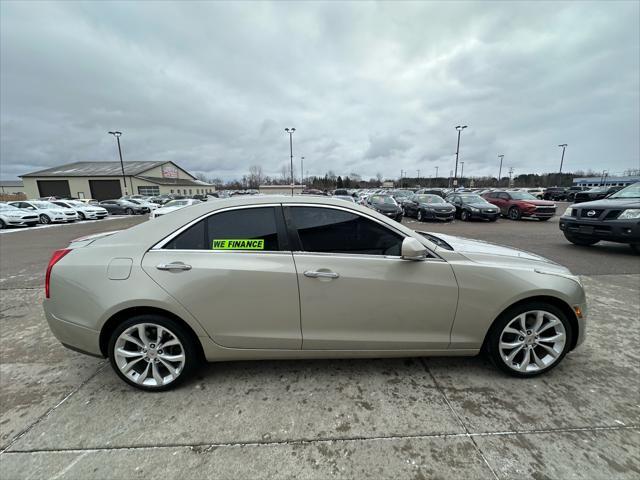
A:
[171,236]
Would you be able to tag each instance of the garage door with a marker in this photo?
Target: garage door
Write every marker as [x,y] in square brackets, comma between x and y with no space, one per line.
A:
[54,188]
[105,189]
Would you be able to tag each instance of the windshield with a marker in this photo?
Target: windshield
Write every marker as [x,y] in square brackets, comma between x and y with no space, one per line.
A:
[75,203]
[40,204]
[429,199]
[177,203]
[632,191]
[383,199]
[472,199]
[522,196]
[402,193]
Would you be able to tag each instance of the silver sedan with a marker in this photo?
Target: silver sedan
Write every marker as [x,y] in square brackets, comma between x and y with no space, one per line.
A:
[303,277]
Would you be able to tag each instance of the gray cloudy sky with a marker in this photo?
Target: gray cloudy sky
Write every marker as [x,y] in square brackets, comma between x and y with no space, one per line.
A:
[370,87]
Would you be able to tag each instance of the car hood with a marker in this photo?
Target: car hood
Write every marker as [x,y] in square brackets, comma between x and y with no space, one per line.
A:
[480,205]
[436,205]
[612,203]
[539,203]
[490,253]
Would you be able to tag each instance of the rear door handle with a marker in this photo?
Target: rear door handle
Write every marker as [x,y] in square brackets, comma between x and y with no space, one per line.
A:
[312,274]
[173,266]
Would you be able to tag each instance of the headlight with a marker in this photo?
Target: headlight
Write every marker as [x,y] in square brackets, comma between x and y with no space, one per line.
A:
[567,212]
[630,213]
[474,209]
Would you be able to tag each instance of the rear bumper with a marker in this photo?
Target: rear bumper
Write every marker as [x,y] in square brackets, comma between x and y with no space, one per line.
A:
[621,231]
[74,336]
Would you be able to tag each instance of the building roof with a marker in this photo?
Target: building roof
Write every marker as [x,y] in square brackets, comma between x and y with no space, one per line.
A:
[174,181]
[11,183]
[95,169]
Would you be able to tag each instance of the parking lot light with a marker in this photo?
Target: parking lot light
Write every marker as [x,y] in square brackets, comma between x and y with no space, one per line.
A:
[124,178]
[459,128]
[290,132]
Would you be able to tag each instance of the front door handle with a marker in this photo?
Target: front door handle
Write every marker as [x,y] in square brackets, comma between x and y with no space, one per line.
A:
[312,274]
[173,266]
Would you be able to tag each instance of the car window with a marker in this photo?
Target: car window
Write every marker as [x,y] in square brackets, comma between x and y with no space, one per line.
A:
[330,230]
[504,196]
[246,229]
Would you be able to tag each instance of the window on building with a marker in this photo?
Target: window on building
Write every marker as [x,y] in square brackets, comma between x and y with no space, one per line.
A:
[149,190]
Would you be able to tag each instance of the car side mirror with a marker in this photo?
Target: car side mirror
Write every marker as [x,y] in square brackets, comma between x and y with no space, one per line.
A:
[412,249]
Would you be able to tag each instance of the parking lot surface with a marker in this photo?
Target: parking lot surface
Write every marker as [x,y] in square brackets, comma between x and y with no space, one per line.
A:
[66,415]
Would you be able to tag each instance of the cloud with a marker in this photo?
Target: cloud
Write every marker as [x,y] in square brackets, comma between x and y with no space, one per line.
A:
[369,87]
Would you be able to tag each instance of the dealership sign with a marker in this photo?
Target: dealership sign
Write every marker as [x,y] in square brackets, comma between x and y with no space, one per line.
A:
[169,171]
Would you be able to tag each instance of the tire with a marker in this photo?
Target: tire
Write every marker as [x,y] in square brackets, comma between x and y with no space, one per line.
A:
[635,248]
[44,219]
[128,211]
[544,219]
[525,343]
[420,216]
[153,358]
[582,241]
[2,224]
[464,216]
[514,213]
[81,216]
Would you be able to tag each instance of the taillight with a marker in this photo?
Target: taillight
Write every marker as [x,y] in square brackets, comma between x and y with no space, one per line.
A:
[55,258]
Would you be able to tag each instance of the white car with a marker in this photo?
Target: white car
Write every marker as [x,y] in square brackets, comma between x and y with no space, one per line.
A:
[85,211]
[173,205]
[144,203]
[47,212]
[11,216]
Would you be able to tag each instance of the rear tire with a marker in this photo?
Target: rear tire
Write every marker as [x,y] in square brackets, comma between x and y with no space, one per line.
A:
[535,354]
[583,242]
[514,213]
[128,211]
[138,368]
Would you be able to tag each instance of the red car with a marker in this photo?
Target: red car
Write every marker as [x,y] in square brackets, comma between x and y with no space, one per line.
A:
[516,205]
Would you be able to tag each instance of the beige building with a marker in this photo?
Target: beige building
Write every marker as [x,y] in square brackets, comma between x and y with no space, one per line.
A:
[104,180]
[281,189]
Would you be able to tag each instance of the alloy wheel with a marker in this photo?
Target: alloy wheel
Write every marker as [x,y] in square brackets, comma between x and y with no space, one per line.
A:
[419,216]
[514,213]
[149,354]
[464,216]
[532,341]
[44,219]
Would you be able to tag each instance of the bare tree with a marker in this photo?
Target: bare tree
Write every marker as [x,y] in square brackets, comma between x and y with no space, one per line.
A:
[379,178]
[256,176]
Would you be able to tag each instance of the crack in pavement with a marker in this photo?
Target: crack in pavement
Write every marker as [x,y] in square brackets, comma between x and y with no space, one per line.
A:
[312,441]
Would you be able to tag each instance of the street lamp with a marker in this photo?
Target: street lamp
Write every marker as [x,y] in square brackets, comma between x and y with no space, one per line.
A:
[301,170]
[455,176]
[462,171]
[500,171]
[290,132]
[124,178]
[564,146]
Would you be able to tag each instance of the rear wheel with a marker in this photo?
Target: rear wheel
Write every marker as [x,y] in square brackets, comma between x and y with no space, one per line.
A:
[44,219]
[152,353]
[464,216]
[514,213]
[529,339]
[129,211]
[583,241]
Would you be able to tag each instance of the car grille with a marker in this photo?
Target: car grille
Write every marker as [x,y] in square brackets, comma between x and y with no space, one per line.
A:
[69,213]
[489,210]
[30,217]
[585,212]
[546,209]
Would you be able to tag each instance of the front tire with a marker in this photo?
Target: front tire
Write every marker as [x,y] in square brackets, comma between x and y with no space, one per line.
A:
[583,242]
[81,216]
[152,353]
[529,339]
[44,219]
[464,216]
[514,213]
[420,216]
[2,224]
[128,211]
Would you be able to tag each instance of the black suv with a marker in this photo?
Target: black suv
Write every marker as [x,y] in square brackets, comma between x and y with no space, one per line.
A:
[614,219]
[555,193]
[596,193]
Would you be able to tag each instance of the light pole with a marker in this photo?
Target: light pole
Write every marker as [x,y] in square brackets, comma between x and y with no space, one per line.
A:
[500,171]
[455,176]
[124,178]
[462,171]
[290,132]
[437,176]
[564,146]
[301,170]
[418,177]
[510,174]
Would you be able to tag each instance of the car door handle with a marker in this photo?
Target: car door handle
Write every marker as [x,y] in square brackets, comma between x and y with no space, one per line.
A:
[173,266]
[312,274]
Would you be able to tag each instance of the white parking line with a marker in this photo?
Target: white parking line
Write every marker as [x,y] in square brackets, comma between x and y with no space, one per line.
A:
[5,231]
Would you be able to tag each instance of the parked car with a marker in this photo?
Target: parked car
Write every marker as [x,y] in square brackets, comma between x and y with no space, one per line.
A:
[47,212]
[149,206]
[517,205]
[11,216]
[83,210]
[90,201]
[471,206]
[555,193]
[268,274]
[123,207]
[386,205]
[401,195]
[441,192]
[173,205]
[429,207]
[347,198]
[613,219]
[596,193]
[572,191]
[536,192]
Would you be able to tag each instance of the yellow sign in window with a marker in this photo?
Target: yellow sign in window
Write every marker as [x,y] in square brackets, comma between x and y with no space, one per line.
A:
[237,244]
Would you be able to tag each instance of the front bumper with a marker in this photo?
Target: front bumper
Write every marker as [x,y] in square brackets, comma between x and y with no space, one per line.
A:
[482,215]
[621,231]
[435,215]
[21,222]
[540,212]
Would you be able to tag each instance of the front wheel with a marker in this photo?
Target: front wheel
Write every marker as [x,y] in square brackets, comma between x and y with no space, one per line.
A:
[129,211]
[2,224]
[152,353]
[44,219]
[81,216]
[464,216]
[420,216]
[514,213]
[529,339]
[582,241]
